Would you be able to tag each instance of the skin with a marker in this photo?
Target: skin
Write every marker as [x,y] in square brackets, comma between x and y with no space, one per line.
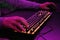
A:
[44,5]
[10,22]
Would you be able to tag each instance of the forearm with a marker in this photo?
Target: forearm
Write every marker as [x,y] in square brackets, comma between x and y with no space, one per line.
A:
[23,3]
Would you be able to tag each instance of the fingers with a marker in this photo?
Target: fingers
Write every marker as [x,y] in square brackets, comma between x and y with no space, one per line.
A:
[18,26]
[50,3]
[12,22]
[53,4]
[45,8]
[23,21]
[21,27]
[14,28]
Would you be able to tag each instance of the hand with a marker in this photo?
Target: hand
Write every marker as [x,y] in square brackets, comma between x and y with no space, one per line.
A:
[46,4]
[15,23]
